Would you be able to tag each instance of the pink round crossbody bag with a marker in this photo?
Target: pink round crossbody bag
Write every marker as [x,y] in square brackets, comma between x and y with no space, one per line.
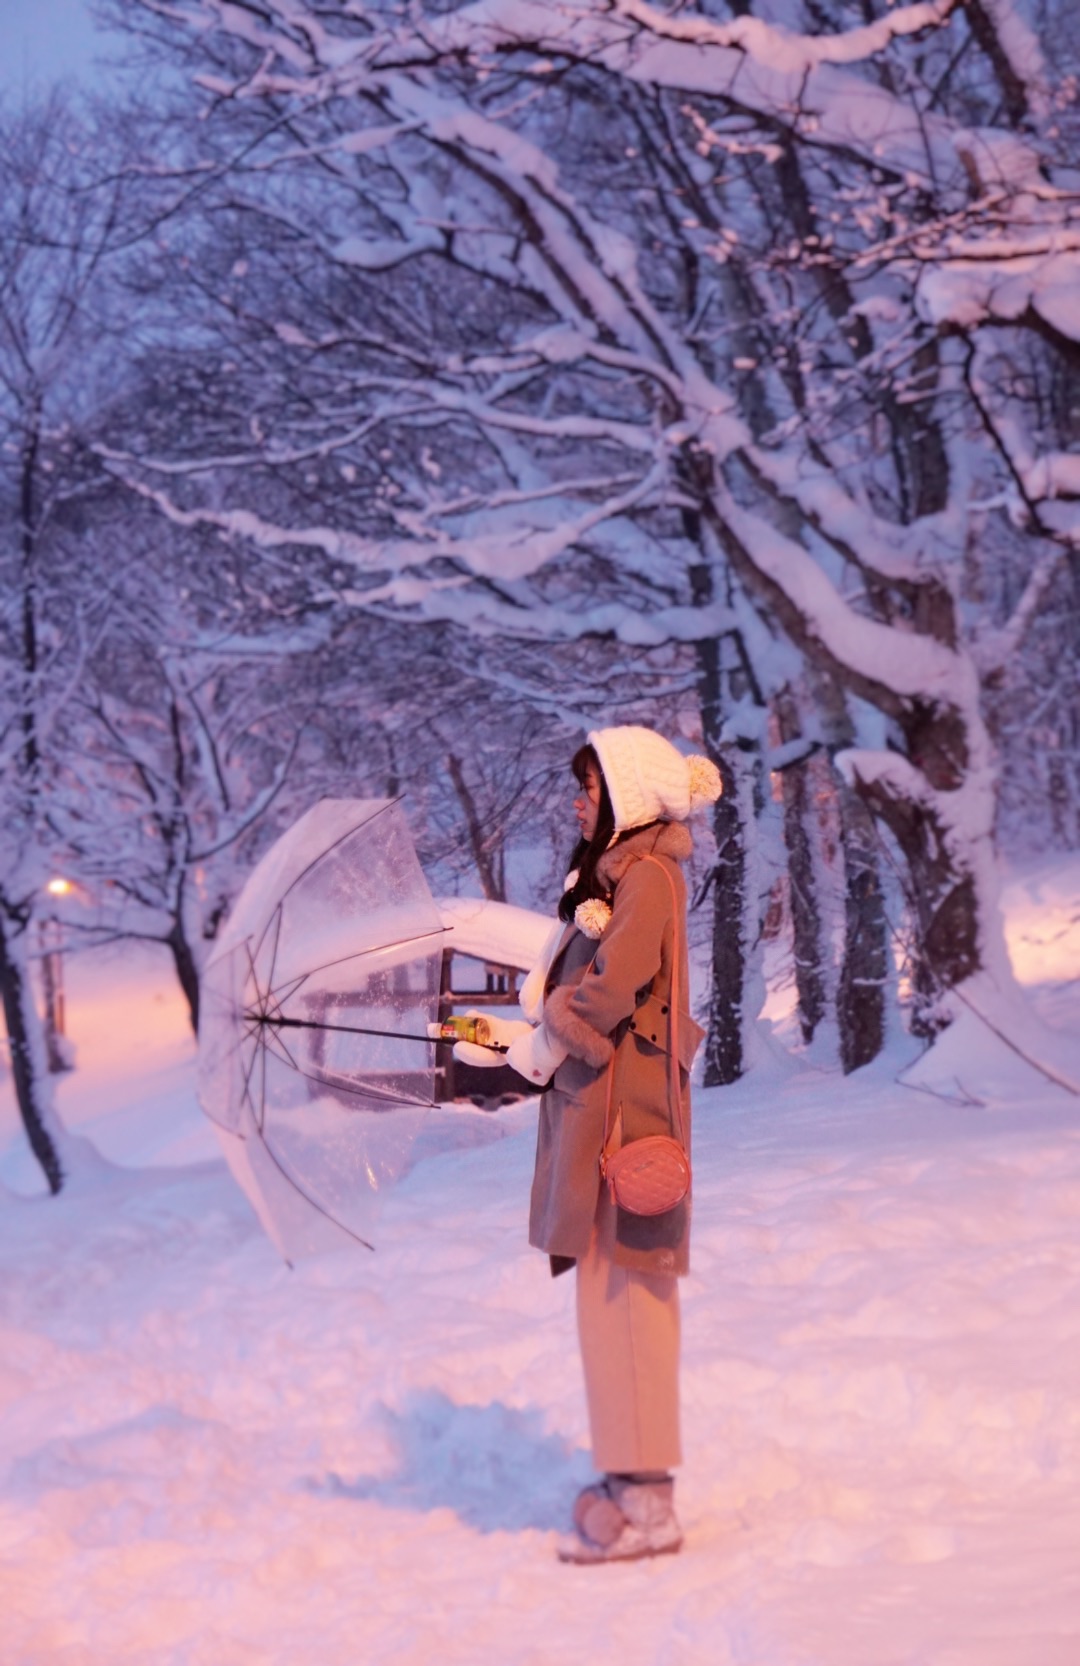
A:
[651,1175]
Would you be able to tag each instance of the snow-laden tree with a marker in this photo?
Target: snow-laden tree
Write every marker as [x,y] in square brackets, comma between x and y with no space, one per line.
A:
[723,306]
[60,222]
[176,761]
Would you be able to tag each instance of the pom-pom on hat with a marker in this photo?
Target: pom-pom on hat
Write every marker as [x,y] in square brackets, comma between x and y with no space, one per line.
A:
[648,780]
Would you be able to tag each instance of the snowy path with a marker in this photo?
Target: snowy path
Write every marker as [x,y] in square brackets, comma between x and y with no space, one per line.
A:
[207,1460]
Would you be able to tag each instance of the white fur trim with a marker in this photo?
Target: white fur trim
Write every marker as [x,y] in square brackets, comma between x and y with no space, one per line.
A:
[670,839]
[531,998]
[568,1030]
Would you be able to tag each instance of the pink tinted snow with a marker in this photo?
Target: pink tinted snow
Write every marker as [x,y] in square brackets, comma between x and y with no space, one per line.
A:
[784,49]
[206,1460]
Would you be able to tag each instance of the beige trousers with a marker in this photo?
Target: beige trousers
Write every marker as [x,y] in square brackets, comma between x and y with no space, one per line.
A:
[628,1325]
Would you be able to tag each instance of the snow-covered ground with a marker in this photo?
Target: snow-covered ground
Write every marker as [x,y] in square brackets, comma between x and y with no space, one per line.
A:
[209,1460]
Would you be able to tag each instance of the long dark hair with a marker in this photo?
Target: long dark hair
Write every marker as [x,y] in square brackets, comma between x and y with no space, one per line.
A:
[587,852]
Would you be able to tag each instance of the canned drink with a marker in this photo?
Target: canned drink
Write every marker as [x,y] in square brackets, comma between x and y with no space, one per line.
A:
[476,1030]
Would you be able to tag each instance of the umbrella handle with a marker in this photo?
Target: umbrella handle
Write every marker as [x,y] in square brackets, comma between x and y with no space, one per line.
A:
[275,1021]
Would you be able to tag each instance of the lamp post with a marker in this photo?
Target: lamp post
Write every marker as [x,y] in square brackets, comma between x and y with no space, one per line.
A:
[52,979]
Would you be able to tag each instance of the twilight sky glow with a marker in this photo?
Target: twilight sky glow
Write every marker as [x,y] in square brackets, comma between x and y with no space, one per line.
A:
[43,40]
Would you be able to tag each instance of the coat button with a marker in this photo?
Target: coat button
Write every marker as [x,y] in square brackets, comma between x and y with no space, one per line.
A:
[633,1025]
[664,1011]
[654,1038]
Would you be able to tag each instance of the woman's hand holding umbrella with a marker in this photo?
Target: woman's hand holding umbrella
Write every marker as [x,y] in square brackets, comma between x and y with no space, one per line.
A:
[529,1049]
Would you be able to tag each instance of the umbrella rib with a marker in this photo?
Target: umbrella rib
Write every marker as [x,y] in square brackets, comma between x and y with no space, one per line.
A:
[216,1120]
[246,1097]
[273,953]
[388,805]
[251,949]
[357,954]
[263,994]
[277,997]
[260,1105]
[234,1046]
[284,1056]
[344,1029]
[369,1091]
[314,1202]
[261,1019]
[439,931]
[255,1060]
[249,1071]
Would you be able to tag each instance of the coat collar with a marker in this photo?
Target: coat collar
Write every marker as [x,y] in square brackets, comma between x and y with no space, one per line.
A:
[670,839]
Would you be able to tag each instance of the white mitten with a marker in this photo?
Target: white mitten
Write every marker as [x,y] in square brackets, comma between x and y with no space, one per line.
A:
[485,1058]
[535,1055]
[503,1032]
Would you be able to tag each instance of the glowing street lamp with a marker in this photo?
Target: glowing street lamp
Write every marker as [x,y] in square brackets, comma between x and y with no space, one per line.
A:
[52,977]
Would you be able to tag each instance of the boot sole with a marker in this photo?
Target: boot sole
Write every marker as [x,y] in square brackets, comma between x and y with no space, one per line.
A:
[587,1558]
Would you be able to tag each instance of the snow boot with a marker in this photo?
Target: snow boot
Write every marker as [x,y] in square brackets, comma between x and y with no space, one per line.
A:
[621,1519]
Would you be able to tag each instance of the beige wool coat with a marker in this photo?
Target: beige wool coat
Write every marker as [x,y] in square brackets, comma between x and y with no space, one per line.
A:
[611,999]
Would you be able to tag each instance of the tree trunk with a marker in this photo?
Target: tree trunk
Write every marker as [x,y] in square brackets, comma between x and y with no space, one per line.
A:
[52,987]
[28,532]
[920,456]
[187,970]
[800,837]
[944,904]
[864,967]
[28,1064]
[725,1058]
[481,839]
[940,773]
[983,25]
[860,997]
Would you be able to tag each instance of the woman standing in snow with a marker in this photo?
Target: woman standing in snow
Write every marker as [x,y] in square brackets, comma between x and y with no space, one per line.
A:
[607,1005]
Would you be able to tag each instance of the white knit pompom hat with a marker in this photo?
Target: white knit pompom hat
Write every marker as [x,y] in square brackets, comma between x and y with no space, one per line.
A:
[648,780]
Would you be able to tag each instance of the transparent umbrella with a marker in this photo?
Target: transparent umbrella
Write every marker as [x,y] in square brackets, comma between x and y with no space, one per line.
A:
[314,1059]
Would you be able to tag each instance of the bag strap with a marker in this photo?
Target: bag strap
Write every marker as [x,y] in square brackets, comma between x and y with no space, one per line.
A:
[674,1081]
[675,1112]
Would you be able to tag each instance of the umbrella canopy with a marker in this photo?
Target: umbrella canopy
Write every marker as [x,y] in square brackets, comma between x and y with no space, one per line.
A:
[313,1060]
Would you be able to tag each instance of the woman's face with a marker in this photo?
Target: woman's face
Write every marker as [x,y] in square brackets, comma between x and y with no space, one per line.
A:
[587,803]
